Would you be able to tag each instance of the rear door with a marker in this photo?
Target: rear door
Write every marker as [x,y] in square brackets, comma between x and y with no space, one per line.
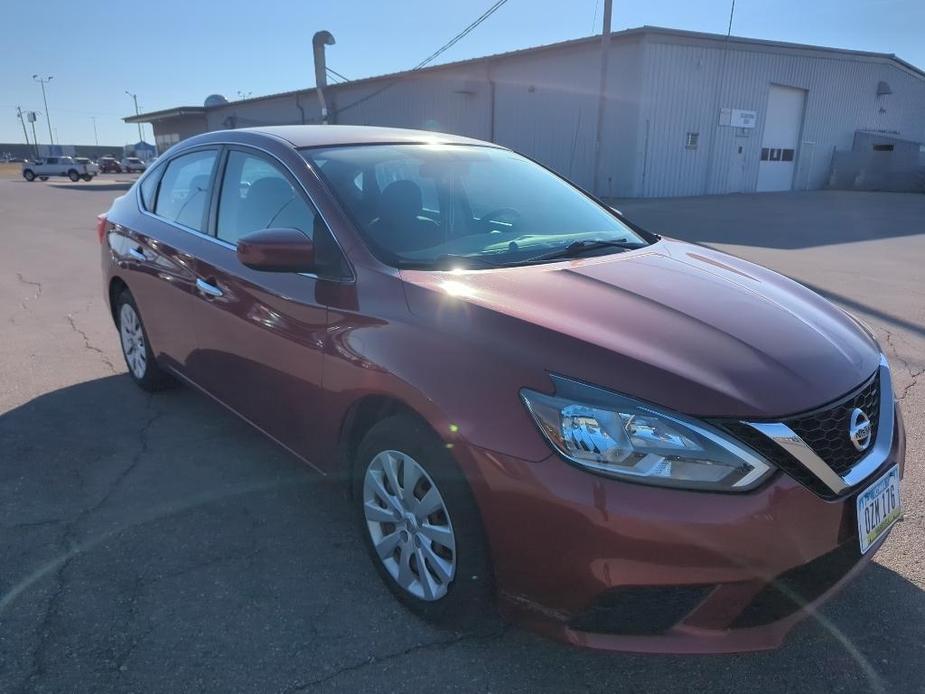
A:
[260,344]
[159,250]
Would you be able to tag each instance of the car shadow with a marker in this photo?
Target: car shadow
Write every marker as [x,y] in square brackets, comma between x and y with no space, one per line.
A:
[84,186]
[781,220]
[151,541]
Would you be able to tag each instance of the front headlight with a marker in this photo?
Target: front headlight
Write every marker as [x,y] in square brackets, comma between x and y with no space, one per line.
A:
[628,439]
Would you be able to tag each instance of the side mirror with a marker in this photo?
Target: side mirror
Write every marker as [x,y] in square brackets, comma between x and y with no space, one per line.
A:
[277,250]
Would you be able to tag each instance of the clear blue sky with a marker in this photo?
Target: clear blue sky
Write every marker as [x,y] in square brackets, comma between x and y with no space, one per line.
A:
[176,52]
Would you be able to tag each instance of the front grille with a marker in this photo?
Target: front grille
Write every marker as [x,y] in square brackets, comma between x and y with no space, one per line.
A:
[795,588]
[826,430]
[640,610]
[760,443]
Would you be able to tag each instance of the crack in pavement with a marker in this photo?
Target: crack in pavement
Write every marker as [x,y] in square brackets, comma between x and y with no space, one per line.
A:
[373,660]
[89,345]
[913,373]
[30,283]
[70,550]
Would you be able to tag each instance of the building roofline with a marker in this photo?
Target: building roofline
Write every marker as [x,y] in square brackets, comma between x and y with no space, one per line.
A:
[616,35]
[166,113]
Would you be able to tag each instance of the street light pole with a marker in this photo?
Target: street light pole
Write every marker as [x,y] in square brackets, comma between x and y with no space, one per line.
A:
[135,99]
[95,136]
[42,81]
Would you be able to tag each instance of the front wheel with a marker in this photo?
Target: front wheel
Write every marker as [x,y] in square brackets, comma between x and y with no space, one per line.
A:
[28,175]
[87,177]
[73,175]
[43,178]
[420,523]
[136,348]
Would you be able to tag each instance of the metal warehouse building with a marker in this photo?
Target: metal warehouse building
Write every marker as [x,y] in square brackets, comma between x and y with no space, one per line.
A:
[684,113]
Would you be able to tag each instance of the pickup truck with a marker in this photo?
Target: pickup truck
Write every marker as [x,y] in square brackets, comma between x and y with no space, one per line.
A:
[57,166]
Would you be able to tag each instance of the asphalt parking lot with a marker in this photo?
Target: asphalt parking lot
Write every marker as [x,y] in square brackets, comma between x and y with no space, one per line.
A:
[157,544]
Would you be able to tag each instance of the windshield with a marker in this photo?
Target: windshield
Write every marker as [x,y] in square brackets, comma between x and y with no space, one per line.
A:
[425,206]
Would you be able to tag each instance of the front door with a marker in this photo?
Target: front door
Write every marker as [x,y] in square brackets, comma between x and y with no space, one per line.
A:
[779,143]
[260,346]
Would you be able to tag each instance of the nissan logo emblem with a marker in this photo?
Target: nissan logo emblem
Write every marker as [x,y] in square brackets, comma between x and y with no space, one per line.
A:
[859,429]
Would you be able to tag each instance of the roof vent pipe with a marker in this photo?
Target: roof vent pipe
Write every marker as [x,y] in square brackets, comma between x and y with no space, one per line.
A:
[883,88]
[319,41]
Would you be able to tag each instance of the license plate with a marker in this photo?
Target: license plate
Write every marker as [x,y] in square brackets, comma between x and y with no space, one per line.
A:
[878,508]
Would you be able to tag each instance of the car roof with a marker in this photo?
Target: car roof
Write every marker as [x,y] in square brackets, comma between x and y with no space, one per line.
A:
[328,135]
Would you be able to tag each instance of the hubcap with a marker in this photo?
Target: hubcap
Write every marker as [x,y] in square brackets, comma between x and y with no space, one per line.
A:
[409,525]
[133,341]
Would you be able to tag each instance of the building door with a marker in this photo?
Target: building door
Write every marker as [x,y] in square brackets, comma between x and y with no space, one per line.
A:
[782,124]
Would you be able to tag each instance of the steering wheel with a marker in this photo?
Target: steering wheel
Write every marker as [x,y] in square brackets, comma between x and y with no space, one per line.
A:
[487,218]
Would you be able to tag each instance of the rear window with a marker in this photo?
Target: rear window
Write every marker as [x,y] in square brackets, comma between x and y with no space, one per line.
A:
[183,195]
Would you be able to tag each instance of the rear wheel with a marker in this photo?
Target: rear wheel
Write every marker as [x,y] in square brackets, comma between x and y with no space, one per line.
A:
[73,175]
[43,178]
[87,177]
[28,175]
[420,523]
[136,348]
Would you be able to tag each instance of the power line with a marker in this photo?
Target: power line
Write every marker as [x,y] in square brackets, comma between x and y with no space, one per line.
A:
[462,34]
[485,15]
[337,74]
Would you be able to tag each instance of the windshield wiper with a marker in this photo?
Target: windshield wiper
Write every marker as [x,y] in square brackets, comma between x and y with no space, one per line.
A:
[446,261]
[576,248]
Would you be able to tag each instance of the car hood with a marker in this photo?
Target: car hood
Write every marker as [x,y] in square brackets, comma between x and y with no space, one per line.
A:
[675,324]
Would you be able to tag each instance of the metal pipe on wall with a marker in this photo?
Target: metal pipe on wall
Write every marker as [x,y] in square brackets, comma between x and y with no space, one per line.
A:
[319,41]
[602,96]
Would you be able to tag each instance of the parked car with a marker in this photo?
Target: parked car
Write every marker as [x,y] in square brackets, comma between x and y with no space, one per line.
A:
[57,166]
[109,165]
[625,440]
[133,165]
[92,167]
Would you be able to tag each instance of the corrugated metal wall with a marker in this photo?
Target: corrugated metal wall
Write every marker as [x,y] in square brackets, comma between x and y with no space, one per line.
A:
[683,93]
[661,86]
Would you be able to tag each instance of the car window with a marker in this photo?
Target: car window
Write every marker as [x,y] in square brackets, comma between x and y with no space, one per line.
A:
[148,187]
[419,205]
[256,195]
[183,195]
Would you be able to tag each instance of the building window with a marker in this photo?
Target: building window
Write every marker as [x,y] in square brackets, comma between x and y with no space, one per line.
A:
[691,140]
[165,141]
[883,148]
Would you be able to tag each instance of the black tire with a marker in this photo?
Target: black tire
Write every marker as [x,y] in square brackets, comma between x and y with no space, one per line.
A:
[29,175]
[87,177]
[468,599]
[151,377]
[73,175]
[44,178]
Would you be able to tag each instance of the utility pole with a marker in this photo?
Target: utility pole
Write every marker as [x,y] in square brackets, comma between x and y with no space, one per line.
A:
[23,121]
[95,136]
[141,138]
[35,138]
[42,81]
[602,94]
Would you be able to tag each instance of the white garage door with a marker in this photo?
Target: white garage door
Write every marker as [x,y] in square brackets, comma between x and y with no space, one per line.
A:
[781,137]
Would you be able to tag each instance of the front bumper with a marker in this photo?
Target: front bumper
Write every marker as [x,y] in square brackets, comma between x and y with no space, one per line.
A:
[612,565]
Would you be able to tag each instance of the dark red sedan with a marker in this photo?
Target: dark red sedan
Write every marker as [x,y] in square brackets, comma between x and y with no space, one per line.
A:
[623,440]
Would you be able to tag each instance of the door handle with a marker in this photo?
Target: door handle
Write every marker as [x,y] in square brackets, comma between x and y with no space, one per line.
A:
[207,289]
[137,254]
